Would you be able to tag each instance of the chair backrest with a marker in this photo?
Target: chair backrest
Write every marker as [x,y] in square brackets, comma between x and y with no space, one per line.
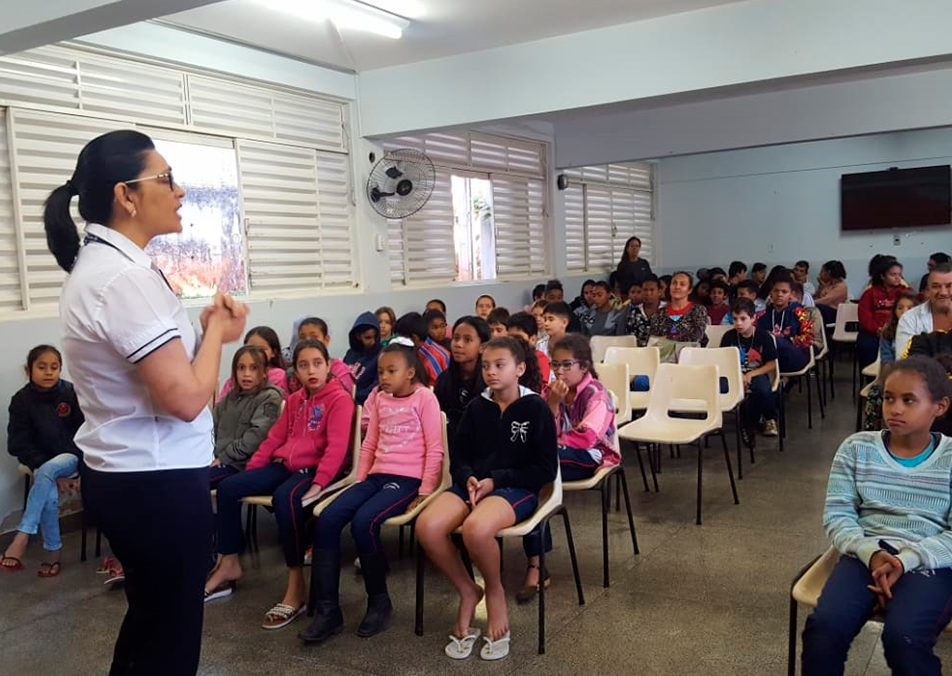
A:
[846,313]
[642,361]
[715,332]
[616,379]
[872,371]
[601,343]
[696,387]
[446,479]
[727,360]
[551,494]
[356,441]
[819,332]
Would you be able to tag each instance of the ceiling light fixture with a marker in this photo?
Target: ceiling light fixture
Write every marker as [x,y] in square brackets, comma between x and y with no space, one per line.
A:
[349,14]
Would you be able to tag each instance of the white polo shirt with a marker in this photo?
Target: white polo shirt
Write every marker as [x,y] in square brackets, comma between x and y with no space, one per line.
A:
[115,310]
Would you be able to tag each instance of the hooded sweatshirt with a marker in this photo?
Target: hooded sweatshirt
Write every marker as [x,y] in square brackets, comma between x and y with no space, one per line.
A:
[876,306]
[363,361]
[242,423]
[588,423]
[43,423]
[454,394]
[516,448]
[311,432]
[404,437]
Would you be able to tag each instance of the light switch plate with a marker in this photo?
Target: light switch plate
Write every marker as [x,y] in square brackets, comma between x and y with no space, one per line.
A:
[896,240]
[379,243]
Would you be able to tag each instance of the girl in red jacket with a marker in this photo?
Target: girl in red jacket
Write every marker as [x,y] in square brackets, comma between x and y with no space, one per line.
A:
[304,452]
[875,308]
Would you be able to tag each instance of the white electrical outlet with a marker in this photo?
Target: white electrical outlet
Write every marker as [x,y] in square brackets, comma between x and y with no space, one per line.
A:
[379,243]
[896,240]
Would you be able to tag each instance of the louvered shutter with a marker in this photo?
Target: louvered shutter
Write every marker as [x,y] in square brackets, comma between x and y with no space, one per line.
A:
[497,153]
[428,243]
[575,242]
[336,220]
[281,210]
[11,290]
[46,147]
[519,222]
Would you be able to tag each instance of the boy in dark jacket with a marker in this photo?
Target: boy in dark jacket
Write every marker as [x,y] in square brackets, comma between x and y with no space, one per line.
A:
[363,353]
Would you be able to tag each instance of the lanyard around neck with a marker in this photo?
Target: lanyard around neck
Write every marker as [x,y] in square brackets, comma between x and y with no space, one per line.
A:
[95,239]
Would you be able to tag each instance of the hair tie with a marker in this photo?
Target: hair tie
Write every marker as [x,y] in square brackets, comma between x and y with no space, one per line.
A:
[400,340]
[71,187]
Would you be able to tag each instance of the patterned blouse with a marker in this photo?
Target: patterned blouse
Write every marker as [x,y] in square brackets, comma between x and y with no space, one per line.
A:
[689,326]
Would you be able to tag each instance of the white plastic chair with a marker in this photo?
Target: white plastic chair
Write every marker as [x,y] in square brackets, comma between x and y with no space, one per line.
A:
[805,372]
[550,505]
[676,385]
[616,378]
[642,361]
[727,360]
[846,313]
[715,332]
[601,343]
[872,371]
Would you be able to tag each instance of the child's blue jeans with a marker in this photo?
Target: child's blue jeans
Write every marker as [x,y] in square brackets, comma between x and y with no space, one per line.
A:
[919,610]
[42,505]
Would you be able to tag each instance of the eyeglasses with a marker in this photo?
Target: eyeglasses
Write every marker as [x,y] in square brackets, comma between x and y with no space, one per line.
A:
[165,177]
[564,365]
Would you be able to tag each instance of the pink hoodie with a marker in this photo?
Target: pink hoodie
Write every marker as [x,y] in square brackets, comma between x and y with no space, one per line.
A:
[589,421]
[311,432]
[404,437]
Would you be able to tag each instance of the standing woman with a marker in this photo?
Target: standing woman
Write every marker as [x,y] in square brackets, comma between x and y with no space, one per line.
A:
[144,382]
[632,267]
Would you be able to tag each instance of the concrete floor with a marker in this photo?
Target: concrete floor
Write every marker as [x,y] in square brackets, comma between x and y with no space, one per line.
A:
[698,600]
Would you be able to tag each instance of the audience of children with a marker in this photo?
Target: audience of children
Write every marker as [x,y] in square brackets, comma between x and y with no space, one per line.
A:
[736,273]
[462,381]
[875,307]
[758,273]
[400,462]
[905,301]
[497,321]
[556,322]
[503,454]
[315,328]
[553,291]
[681,319]
[601,317]
[887,512]
[244,416]
[522,325]
[364,340]
[484,305]
[434,357]
[816,318]
[386,318]
[585,426]
[718,306]
[436,326]
[583,300]
[665,282]
[267,339]
[305,452]
[758,358]
[44,418]
[790,323]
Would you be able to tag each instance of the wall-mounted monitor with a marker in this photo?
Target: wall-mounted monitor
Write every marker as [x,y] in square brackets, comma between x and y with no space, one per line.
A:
[896,198]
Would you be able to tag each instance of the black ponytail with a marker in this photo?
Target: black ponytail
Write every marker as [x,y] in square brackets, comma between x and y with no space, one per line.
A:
[106,160]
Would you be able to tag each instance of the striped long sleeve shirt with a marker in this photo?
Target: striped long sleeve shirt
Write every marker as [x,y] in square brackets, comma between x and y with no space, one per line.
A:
[871,497]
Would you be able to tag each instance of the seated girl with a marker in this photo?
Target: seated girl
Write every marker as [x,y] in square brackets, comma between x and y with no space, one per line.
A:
[888,513]
[400,462]
[463,380]
[245,415]
[44,418]
[585,423]
[304,452]
[905,301]
[503,454]
[265,338]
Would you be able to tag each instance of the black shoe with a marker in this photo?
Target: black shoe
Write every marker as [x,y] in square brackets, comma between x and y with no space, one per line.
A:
[379,612]
[328,621]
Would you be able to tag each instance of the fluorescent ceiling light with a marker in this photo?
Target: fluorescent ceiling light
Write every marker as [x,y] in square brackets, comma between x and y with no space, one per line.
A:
[349,14]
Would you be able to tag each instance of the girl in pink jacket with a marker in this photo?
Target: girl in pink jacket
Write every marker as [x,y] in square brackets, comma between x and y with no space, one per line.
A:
[400,462]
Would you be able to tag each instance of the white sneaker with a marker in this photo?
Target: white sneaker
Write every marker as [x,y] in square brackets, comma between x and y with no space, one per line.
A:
[770,428]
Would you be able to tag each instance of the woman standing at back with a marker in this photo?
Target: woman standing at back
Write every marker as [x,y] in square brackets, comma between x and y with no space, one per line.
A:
[143,381]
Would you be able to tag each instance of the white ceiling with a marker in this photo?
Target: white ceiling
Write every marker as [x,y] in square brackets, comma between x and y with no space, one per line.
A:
[439,27]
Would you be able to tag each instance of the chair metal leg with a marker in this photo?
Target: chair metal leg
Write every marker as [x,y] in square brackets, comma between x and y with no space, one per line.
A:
[783,421]
[82,544]
[700,463]
[631,521]
[859,414]
[730,470]
[617,495]
[542,527]
[571,541]
[400,549]
[606,505]
[809,403]
[641,466]
[740,457]
[819,397]
[418,621]
[654,475]
[98,542]
[792,640]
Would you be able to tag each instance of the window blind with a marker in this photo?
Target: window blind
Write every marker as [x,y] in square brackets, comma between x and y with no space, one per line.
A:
[11,289]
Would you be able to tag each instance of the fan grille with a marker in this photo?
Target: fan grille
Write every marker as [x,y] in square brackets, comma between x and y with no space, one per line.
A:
[401,183]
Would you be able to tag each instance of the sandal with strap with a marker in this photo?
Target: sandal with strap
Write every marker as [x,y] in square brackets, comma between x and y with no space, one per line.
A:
[461,648]
[15,568]
[495,650]
[108,563]
[51,569]
[282,615]
[528,592]
[221,591]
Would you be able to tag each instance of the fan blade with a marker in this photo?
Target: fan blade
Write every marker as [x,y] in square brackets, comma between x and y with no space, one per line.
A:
[394,173]
[376,193]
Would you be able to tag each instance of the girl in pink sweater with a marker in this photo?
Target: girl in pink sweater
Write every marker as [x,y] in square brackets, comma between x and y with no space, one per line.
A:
[399,466]
[585,422]
[304,452]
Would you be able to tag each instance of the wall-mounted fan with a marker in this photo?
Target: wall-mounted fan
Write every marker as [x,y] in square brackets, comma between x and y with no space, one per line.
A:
[401,183]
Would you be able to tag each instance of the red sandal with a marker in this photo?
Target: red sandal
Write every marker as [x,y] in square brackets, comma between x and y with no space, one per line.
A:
[49,569]
[15,568]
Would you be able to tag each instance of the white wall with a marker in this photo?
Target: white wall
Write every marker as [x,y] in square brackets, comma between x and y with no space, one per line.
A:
[782,203]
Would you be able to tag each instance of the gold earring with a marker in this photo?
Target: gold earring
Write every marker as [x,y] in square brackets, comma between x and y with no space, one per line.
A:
[133,214]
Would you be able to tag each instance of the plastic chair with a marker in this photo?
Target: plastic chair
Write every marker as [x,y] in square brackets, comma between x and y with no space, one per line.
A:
[642,361]
[806,371]
[601,343]
[715,332]
[616,378]
[727,360]
[822,357]
[550,505]
[806,588]
[27,481]
[601,480]
[255,501]
[872,371]
[860,402]
[846,313]
[676,385]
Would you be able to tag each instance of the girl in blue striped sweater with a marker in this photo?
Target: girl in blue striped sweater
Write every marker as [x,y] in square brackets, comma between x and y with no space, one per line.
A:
[888,513]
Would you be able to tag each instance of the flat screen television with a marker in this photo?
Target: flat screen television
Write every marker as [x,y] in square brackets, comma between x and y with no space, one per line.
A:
[897,198]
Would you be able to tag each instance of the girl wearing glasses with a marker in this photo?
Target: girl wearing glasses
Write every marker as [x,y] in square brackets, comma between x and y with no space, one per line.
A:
[143,380]
[585,422]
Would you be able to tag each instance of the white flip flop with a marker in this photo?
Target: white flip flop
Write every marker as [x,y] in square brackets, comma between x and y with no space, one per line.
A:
[495,650]
[461,648]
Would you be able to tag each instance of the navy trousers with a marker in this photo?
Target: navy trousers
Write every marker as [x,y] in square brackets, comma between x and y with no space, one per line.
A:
[576,464]
[919,610]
